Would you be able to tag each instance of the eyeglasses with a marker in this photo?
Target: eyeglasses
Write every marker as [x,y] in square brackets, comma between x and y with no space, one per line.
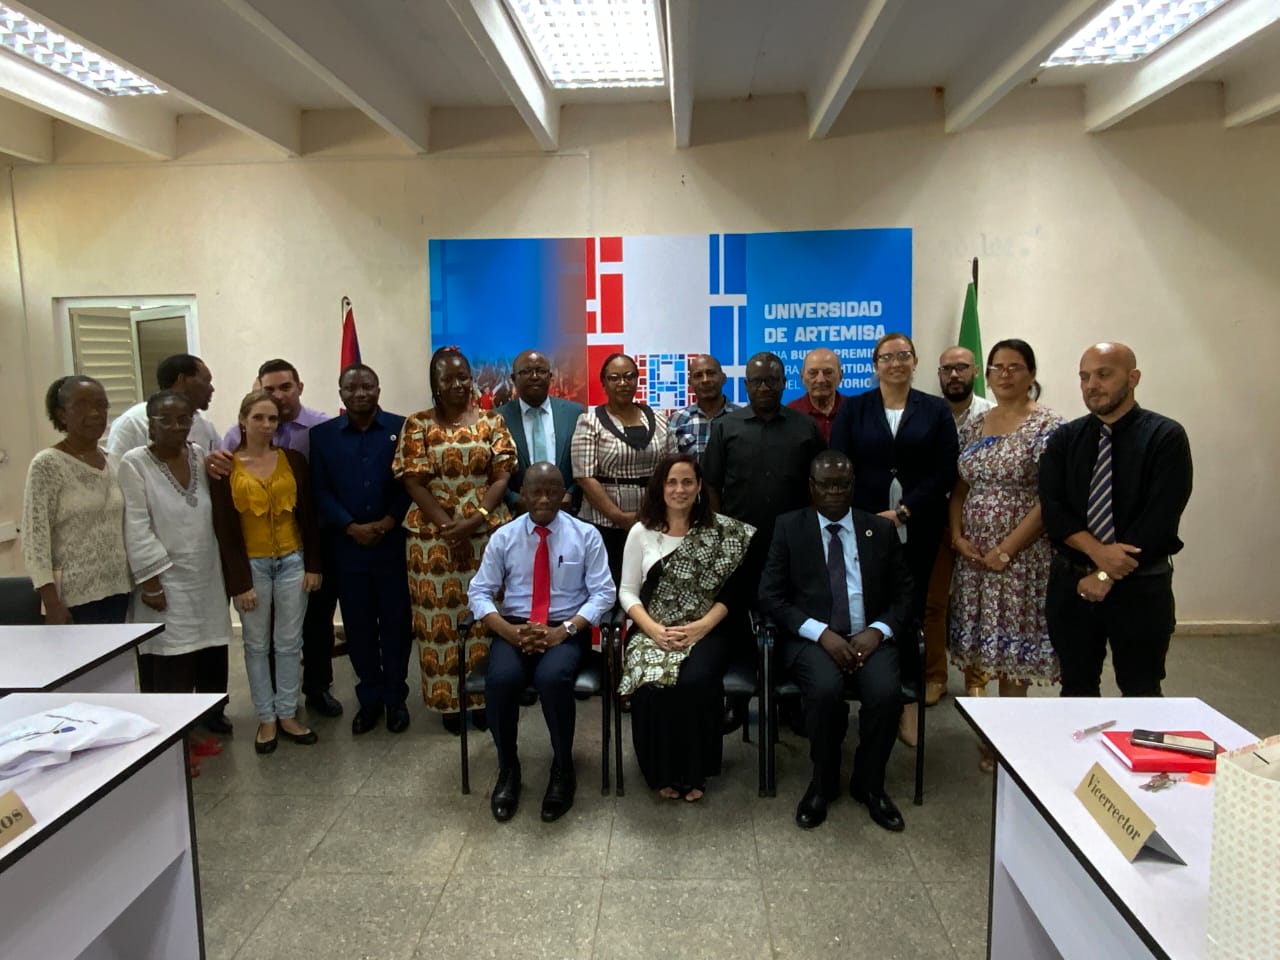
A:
[621,377]
[757,382]
[831,486]
[902,356]
[532,372]
[1000,369]
[960,368]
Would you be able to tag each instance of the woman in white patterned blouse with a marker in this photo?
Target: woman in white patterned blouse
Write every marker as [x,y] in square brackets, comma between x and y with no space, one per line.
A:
[73,513]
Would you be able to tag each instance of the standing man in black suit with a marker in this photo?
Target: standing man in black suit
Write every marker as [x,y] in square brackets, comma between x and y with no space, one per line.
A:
[541,425]
[837,585]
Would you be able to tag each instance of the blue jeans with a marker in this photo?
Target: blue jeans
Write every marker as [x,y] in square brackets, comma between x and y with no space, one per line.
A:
[278,583]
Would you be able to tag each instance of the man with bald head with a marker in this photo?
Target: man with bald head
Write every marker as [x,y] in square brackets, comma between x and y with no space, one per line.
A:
[541,425]
[821,376]
[543,582]
[692,425]
[1113,486]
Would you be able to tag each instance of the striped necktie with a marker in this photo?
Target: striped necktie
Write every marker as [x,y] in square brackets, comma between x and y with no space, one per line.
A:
[1101,521]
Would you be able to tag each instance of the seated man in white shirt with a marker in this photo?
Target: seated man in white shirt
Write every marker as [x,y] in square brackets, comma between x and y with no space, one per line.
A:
[553,577]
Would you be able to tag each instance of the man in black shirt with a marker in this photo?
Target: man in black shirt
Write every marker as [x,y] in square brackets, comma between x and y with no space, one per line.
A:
[1113,486]
[756,468]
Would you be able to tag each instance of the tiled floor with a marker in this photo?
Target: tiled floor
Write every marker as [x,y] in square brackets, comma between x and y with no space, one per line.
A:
[364,847]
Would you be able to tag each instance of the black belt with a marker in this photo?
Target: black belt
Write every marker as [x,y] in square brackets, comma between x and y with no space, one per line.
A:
[624,481]
[1148,568]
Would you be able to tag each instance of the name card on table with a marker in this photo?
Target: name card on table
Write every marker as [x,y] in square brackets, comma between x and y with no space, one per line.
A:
[15,818]
[1120,818]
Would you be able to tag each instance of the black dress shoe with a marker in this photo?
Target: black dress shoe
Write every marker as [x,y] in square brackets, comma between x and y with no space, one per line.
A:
[735,715]
[452,722]
[398,718]
[366,719]
[559,796]
[882,809]
[479,719]
[506,794]
[302,739]
[218,723]
[324,703]
[812,810]
[266,746]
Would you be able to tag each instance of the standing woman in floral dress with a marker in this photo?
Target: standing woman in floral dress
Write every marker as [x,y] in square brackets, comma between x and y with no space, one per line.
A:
[455,460]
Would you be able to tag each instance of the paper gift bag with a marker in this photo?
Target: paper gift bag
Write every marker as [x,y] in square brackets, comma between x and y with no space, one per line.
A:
[1244,871]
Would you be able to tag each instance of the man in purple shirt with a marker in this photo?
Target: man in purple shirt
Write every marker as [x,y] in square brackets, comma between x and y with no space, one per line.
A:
[280,379]
[820,375]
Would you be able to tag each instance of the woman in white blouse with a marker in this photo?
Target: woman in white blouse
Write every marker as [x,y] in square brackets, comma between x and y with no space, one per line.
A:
[73,511]
[173,554]
[677,586]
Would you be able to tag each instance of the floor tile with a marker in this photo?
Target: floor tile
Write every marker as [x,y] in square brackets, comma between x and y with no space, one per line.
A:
[345,918]
[576,845]
[509,917]
[233,903]
[849,846]
[962,907]
[682,918]
[887,921]
[386,835]
[256,833]
[658,838]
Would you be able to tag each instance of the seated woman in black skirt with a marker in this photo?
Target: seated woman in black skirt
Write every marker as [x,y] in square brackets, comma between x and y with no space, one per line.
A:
[677,585]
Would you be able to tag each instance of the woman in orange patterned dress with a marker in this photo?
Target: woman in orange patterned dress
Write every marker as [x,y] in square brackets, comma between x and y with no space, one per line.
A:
[454,460]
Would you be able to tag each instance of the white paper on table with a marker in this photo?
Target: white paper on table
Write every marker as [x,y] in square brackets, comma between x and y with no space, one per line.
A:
[50,737]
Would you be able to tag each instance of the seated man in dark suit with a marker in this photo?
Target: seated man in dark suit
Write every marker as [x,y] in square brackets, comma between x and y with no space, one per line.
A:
[838,587]
[539,613]
[541,426]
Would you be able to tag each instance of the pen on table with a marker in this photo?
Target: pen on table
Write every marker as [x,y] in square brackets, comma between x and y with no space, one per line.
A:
[1090,731]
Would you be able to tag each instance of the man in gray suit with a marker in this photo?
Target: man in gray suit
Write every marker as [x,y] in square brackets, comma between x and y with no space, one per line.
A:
[541,426]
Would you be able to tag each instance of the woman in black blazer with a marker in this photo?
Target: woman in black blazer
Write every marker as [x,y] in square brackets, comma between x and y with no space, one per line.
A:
[903,446]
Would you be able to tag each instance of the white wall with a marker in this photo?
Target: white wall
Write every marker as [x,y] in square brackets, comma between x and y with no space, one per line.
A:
[1162,233]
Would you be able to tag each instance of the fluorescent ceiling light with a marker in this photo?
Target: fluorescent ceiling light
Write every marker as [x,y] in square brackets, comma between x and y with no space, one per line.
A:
[35,42]
[593,43]
[1125,32]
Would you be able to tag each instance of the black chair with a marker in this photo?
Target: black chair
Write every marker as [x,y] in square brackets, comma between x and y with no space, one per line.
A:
[775,691]
[741,681]
[19,602]
[593,680]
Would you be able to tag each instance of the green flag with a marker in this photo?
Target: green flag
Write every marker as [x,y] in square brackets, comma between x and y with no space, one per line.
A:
[971,337]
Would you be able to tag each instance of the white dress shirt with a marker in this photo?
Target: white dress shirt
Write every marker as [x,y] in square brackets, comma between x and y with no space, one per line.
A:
[812,629]
[580,580]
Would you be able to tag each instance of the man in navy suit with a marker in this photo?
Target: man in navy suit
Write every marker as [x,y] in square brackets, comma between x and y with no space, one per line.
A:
[541,426]
[838,587]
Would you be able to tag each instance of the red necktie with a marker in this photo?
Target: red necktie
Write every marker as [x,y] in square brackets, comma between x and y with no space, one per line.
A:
[541,609]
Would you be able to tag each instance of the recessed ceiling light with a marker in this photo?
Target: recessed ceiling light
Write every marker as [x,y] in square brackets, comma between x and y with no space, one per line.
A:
[593,43]
[1125,32]
[34,41]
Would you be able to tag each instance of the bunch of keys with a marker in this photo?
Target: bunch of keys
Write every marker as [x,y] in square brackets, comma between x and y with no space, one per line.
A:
[1161,781]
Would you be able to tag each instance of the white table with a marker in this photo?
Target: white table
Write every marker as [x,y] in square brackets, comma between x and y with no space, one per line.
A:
[93,658]
[1059,887]
[109,870]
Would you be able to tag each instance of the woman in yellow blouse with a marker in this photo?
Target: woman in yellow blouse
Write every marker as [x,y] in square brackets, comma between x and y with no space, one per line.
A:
[455,460]
[270,547]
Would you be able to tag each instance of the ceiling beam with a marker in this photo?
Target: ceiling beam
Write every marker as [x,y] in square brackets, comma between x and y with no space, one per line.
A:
[152,130]
[1253,95]
[1005,68]
[24,133]
[501,46]
[680,67]
[1109,100]
[152,40]
[829,94]
[322,39]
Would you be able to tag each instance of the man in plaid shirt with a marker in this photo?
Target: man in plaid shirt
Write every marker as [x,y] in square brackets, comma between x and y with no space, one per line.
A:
[692,425]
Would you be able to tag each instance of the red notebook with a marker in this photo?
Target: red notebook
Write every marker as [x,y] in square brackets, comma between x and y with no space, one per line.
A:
[1153,760]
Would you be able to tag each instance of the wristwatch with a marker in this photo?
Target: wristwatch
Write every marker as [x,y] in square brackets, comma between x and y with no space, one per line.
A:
[1101,575]
[570,628]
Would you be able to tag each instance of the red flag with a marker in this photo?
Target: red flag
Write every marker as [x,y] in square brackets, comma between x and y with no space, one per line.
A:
[350,342]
